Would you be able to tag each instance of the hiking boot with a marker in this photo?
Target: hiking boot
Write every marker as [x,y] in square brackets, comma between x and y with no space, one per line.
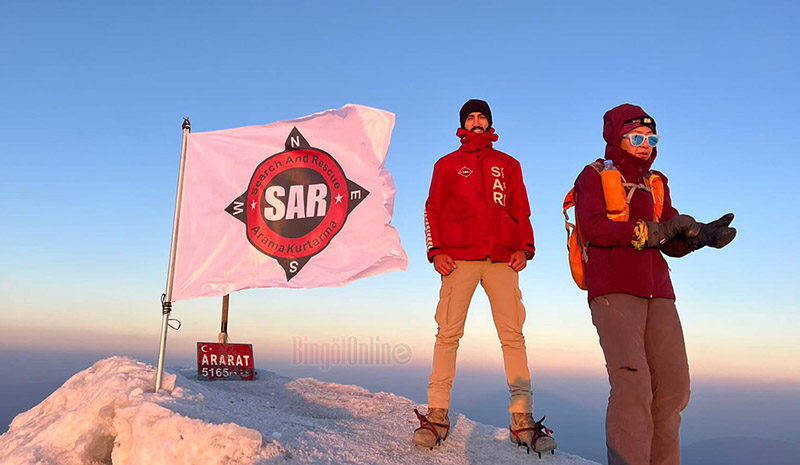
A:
[531,434]
[433,427]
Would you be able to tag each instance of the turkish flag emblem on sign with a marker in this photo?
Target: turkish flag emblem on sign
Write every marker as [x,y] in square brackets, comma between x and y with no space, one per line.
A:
[224,361]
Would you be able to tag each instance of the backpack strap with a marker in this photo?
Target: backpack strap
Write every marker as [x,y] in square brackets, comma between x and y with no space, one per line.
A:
[569,202]
[576,249]
[656,185]
[632,188]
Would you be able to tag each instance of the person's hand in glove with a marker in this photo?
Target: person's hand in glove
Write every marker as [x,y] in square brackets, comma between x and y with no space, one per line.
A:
[716,234]
[649,234]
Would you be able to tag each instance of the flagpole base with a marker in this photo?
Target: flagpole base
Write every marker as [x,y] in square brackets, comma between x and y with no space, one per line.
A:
[166,310]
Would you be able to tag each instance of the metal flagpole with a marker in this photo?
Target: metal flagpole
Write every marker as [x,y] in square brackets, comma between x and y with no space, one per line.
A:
[166,299]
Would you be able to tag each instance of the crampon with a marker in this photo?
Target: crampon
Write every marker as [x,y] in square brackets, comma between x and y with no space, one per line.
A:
[429,433]
[532,434]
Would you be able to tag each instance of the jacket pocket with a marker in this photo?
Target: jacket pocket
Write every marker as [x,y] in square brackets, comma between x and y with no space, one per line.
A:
[457,232]
[509,232]
[520,308]
[442,309]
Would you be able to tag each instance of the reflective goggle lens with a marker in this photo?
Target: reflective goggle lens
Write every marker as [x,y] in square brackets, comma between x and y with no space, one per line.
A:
[638,139]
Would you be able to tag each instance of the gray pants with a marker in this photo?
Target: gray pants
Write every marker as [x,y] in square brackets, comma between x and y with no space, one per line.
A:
[647,368]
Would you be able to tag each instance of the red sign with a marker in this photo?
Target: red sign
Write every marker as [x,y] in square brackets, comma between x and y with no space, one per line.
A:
[225,361]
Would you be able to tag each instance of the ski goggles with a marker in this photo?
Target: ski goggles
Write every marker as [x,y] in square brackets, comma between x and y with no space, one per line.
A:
[638,139]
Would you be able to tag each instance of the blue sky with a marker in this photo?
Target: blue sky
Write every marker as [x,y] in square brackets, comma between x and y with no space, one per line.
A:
[93,95]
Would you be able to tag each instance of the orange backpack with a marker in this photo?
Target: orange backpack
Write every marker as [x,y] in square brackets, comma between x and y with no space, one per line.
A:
[614,194]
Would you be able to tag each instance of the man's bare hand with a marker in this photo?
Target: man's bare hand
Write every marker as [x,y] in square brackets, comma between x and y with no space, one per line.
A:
[518,260]
[443,264]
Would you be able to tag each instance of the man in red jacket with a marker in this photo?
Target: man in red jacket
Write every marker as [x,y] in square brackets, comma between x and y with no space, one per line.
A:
[478,230]
[631,295]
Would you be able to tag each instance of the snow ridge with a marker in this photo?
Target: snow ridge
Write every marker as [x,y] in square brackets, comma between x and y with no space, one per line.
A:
[109,413]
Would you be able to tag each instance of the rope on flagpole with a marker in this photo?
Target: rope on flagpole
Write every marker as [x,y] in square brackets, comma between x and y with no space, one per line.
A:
[166,298]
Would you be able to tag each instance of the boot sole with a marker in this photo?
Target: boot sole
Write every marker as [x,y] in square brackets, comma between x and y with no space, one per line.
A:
[551,446]
[427,443]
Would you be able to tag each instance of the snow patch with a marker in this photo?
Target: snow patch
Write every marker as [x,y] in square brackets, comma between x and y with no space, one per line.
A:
[75,423]
[180,439]
[110,414]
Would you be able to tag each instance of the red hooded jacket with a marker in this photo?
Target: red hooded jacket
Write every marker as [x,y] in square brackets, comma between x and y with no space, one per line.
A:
[614,266]
[477,207]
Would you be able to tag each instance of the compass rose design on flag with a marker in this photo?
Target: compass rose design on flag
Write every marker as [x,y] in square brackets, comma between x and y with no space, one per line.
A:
[295,204]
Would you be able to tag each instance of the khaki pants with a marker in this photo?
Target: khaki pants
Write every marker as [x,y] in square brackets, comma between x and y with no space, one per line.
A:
[502,287]
[647,368]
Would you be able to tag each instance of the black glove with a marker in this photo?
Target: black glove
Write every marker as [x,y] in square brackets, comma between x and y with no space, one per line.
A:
[681,225]
[716,234]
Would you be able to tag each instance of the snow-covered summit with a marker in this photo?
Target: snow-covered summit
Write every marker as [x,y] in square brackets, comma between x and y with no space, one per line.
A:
[110,414]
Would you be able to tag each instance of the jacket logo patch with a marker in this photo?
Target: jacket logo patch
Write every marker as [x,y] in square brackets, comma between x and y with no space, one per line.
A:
[465,172]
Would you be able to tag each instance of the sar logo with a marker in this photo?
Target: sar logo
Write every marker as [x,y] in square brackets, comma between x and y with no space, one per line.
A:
[465,171]
[297,201]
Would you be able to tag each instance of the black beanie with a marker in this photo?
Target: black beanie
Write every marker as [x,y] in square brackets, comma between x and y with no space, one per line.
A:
[472,106]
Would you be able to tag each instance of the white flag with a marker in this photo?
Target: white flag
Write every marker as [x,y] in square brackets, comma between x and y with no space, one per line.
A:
[301,203]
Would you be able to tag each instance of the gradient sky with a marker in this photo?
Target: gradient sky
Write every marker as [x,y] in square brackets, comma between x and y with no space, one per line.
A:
[93,97]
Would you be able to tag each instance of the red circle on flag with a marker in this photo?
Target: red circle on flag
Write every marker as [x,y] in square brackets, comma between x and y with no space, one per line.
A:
[264,236]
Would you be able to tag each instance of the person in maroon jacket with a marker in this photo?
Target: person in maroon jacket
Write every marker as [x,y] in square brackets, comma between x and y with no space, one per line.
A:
[631,295]
[478,230]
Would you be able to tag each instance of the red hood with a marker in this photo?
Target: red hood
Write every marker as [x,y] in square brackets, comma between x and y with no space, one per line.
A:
[632,168]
